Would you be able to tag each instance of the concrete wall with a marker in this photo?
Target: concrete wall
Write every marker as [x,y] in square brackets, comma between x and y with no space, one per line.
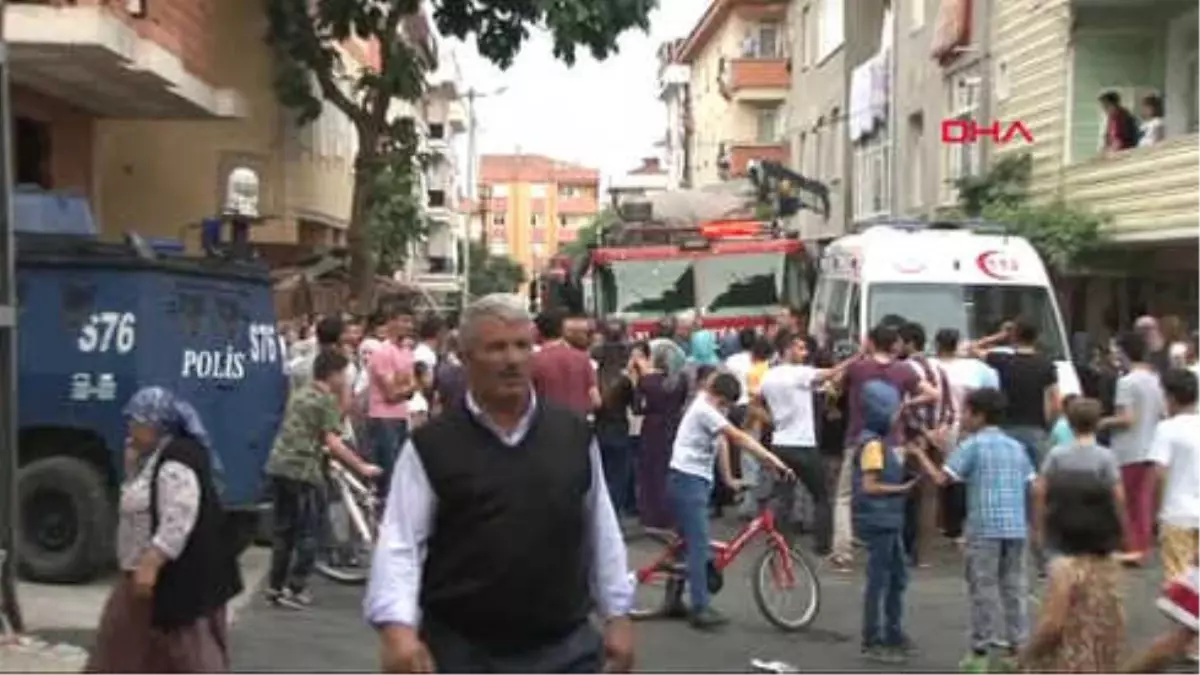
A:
[156,177]
[816,111]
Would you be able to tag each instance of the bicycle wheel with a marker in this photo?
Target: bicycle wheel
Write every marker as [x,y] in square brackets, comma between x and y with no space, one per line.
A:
[661,595]
[344,550]
[771,582]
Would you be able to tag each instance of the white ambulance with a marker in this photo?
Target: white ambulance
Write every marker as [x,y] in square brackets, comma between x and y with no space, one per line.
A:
[941,276]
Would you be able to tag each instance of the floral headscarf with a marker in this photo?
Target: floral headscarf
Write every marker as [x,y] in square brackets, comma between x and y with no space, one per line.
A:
[172,416]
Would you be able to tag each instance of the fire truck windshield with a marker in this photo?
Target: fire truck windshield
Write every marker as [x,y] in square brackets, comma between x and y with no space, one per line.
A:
[647,288]
[721,285]
[735,285]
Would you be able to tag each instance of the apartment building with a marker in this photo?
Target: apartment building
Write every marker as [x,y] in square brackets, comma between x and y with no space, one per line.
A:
[531,204]
[146,107]
[816,106]
[673,80]
[442,120]
[737,55]
[1053,60]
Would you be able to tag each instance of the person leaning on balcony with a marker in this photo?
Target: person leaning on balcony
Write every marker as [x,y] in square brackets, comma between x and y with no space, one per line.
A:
[1152,130]
[1121,127]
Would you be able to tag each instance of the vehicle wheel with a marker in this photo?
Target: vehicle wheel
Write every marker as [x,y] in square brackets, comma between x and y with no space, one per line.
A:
[66,529]
[769,577]
[342,555]
[663,596]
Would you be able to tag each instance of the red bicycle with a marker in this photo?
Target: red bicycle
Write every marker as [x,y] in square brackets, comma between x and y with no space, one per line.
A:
[781,567]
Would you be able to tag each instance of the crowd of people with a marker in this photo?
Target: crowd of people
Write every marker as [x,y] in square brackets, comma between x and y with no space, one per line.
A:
[512,451]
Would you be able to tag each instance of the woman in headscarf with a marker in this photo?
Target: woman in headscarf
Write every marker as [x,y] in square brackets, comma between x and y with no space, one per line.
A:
[661,392]
[167,612]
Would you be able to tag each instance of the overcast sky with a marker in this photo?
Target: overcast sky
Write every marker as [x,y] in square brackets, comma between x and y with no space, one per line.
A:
[605,115]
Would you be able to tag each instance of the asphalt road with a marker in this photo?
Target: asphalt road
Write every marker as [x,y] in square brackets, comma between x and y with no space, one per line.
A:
[331,637]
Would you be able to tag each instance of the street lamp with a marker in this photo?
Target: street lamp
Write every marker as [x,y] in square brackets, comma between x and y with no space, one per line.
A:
[472,188]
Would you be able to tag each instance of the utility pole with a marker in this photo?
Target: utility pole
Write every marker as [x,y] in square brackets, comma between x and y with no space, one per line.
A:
[472,182]
[10,611]
[471,196]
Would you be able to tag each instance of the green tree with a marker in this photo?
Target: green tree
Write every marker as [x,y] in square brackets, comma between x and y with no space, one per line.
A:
[591,233]
[492,273]
[1062,233]
[305,35]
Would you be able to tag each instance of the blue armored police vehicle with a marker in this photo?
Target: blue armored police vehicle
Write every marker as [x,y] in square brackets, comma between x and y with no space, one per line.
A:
[98,320]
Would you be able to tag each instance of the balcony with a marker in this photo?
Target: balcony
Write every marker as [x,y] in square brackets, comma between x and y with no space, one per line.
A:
[109,63]
[758,79]
[1151,193]
[742,153]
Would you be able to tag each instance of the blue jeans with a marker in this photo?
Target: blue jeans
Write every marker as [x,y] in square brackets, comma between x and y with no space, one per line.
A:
[689,497]
[616,454]
[887,577]
[387,437]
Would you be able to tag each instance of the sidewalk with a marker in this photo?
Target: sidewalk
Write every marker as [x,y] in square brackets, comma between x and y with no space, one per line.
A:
[53,611]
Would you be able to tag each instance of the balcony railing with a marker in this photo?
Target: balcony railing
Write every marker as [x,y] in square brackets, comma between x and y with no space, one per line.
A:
[1148,191]
[770,76]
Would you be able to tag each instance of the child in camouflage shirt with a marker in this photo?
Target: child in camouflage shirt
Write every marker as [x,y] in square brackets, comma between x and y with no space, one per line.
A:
[312,424]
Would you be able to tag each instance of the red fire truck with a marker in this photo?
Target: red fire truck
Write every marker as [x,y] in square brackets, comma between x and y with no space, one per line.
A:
[720,253]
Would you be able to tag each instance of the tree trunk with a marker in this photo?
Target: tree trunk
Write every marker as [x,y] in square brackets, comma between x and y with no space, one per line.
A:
[358,240]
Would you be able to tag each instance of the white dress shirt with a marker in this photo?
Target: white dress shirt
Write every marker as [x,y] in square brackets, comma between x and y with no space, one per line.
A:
[395,583]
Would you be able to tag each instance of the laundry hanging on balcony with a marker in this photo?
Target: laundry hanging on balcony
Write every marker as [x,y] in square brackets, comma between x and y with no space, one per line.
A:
[871,87]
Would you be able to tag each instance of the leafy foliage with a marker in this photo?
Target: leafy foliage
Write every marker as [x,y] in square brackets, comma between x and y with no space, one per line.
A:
[394,211]
[494,273]
[592,232]
[306,36]
[1063,234]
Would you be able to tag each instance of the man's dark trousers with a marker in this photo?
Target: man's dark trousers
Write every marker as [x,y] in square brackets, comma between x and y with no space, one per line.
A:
[809,467]
[580,651]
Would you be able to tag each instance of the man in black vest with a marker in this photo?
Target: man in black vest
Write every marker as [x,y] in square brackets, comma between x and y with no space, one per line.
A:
[499,539]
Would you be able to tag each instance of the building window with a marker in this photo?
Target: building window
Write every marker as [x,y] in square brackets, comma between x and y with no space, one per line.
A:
[569,191]
[32,162]
[831,31]
[872,177]
[806,41]
[767,124]
[563,222]
[962,159]
[535,220]
[498,219]
[437,131]
[762,41]
[916,14]
[537,191]
[802,152]
[498,248]
[500,191]
[916,160]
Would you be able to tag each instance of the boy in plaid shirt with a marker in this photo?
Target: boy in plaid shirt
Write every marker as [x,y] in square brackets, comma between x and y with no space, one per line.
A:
[997,473]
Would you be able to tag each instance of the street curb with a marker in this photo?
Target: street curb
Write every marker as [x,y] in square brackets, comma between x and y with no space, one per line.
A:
[28,654]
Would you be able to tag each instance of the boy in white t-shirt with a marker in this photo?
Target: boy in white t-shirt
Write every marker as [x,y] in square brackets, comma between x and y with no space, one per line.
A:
[690,480]
[1175,450]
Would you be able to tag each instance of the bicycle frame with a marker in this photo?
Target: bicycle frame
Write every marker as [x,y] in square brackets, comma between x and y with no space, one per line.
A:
[724,553]
[348,486]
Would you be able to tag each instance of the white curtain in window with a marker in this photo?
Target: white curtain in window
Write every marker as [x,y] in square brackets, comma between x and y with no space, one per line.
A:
[832,30]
